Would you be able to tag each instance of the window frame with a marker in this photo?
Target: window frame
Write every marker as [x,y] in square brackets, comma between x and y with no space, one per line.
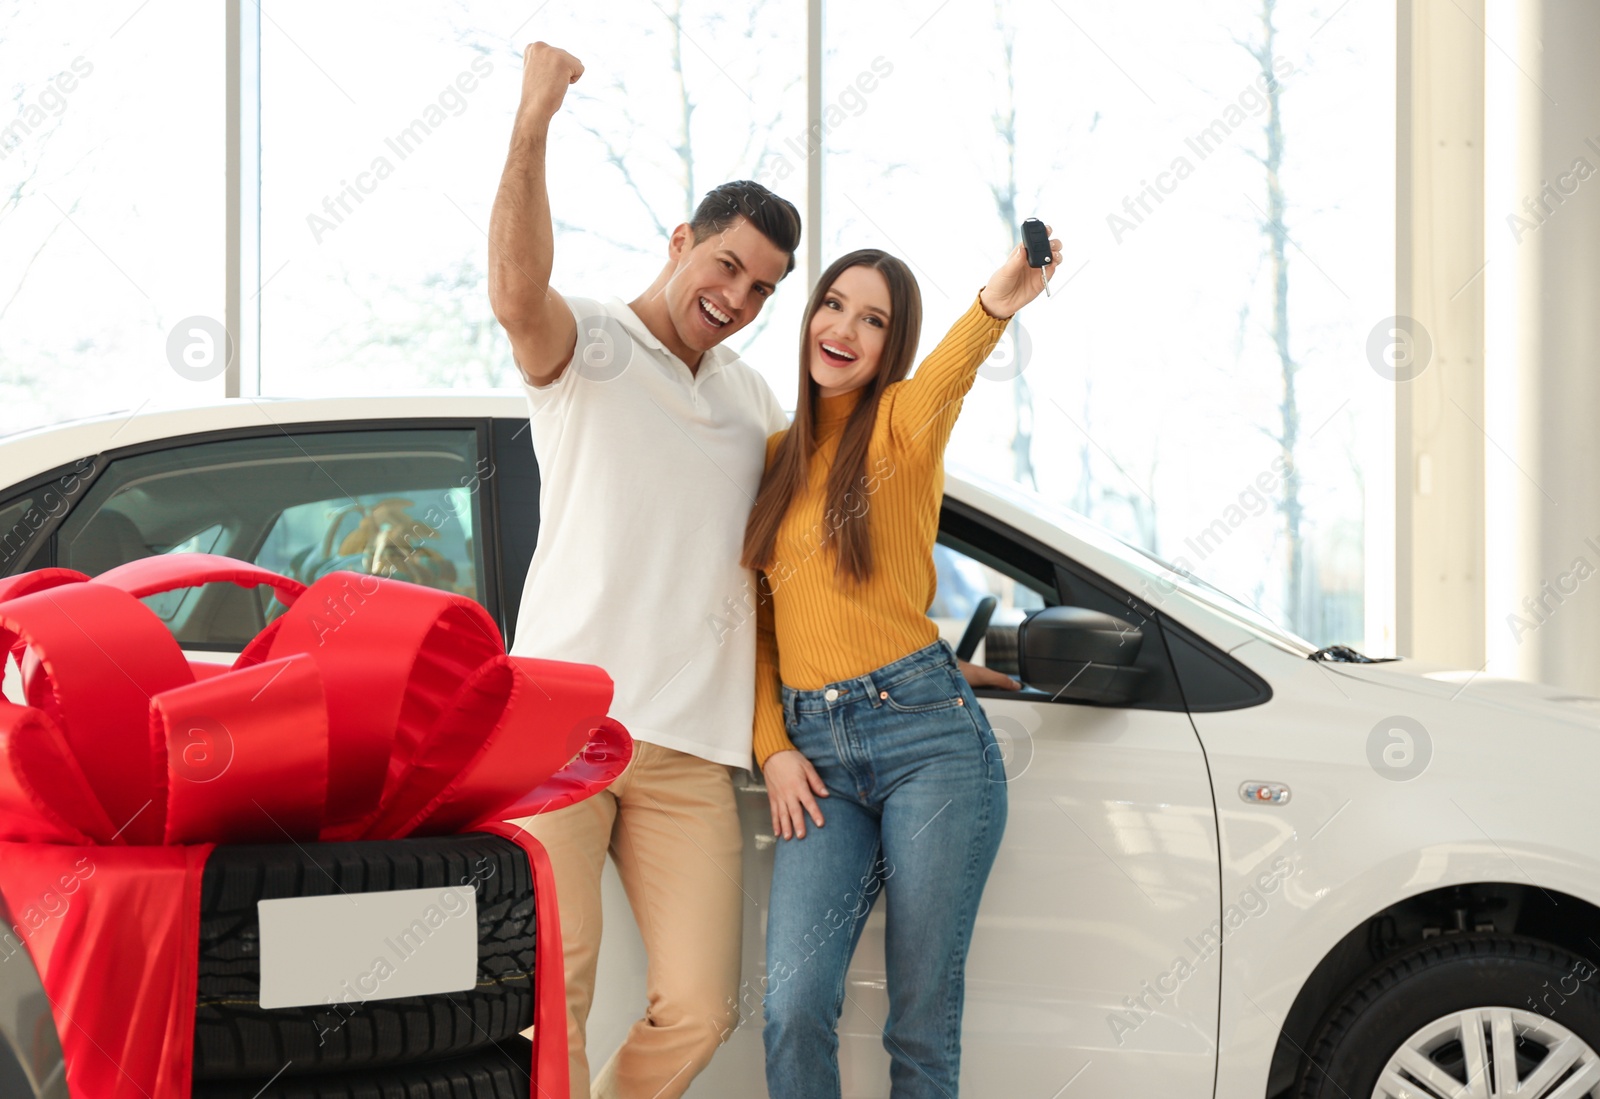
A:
[42,540]
[517,484]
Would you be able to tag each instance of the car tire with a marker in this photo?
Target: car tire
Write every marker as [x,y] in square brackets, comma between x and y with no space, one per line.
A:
[236,1038]
[1438,1008]
[496,1073]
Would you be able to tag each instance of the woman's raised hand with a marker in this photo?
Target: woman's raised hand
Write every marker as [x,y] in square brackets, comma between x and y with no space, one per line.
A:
[793,787]
[1015,284]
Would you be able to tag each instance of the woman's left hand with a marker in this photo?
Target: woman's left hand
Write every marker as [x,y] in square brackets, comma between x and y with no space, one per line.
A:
[793,787]
[1015,284]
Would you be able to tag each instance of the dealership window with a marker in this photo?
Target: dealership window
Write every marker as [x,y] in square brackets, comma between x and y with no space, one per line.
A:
[378,178]
[1209,256]
[111,200]
[1148,393]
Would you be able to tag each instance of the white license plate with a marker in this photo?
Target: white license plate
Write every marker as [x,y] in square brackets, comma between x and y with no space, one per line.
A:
[349,948]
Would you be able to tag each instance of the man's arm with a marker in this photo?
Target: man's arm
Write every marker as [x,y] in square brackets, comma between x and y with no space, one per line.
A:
[521,240]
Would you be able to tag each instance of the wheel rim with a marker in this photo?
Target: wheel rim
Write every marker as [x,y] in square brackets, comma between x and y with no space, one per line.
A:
[1490,1053]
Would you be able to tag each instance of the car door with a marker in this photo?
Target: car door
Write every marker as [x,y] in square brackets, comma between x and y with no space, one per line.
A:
[1096,958]
[406,500]
[1095,964]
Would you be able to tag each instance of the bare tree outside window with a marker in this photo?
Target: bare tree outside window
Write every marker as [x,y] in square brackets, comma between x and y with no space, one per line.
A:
[1092,496]
[1286,433]
[1006,205]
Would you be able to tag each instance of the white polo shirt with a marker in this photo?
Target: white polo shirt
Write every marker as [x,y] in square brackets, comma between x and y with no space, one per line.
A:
[647,475]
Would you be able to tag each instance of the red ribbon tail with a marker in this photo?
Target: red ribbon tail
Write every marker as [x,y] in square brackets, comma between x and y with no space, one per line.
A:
[549,1068]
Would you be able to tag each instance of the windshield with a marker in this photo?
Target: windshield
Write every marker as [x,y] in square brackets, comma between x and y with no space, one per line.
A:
[1163,578]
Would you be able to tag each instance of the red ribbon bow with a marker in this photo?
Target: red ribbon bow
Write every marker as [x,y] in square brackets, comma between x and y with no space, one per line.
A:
[370,709]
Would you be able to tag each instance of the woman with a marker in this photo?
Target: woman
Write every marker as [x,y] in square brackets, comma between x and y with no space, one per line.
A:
[858,700]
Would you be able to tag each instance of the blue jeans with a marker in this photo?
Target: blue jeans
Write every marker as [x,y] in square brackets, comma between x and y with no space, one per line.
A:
[916,808]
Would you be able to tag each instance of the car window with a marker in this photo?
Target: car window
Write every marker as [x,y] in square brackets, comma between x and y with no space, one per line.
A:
[1039,576]
[424,537]
[395,503]
[168,605]
[963,582]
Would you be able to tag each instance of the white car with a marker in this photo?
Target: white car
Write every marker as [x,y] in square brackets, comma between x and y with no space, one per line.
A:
[1234,866]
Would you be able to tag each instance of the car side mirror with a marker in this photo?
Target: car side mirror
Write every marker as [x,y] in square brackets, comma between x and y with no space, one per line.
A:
[1079,654]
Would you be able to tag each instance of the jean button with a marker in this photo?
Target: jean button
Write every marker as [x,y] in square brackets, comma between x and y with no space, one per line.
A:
[831,694]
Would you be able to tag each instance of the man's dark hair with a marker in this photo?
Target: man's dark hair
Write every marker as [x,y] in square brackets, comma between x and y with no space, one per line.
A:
[775,217]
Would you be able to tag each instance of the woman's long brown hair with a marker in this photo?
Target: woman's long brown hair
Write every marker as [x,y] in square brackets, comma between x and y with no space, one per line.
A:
[785,476]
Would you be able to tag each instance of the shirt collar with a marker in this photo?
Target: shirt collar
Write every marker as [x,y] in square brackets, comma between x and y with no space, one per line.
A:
[710,363]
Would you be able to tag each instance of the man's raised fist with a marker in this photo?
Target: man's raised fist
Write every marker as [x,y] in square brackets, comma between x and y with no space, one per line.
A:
[547,72]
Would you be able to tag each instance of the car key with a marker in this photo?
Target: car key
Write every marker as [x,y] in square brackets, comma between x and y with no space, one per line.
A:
[1037,238]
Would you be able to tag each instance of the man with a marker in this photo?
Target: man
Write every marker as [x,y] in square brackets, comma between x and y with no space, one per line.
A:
[650,437]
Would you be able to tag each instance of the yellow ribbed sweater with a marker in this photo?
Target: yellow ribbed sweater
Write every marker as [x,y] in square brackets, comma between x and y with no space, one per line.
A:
[818,628]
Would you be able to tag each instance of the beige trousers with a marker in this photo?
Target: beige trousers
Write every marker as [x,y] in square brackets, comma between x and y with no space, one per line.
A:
[671,824]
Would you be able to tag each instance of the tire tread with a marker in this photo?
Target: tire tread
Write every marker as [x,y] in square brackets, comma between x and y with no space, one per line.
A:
[499,1072]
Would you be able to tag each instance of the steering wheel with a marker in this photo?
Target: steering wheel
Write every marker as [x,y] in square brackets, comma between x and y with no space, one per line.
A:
[977,626]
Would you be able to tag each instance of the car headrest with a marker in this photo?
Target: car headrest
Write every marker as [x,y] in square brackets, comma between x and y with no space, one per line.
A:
[110,539]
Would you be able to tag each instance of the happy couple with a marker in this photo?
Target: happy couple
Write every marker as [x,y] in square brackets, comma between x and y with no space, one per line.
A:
[675,496]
